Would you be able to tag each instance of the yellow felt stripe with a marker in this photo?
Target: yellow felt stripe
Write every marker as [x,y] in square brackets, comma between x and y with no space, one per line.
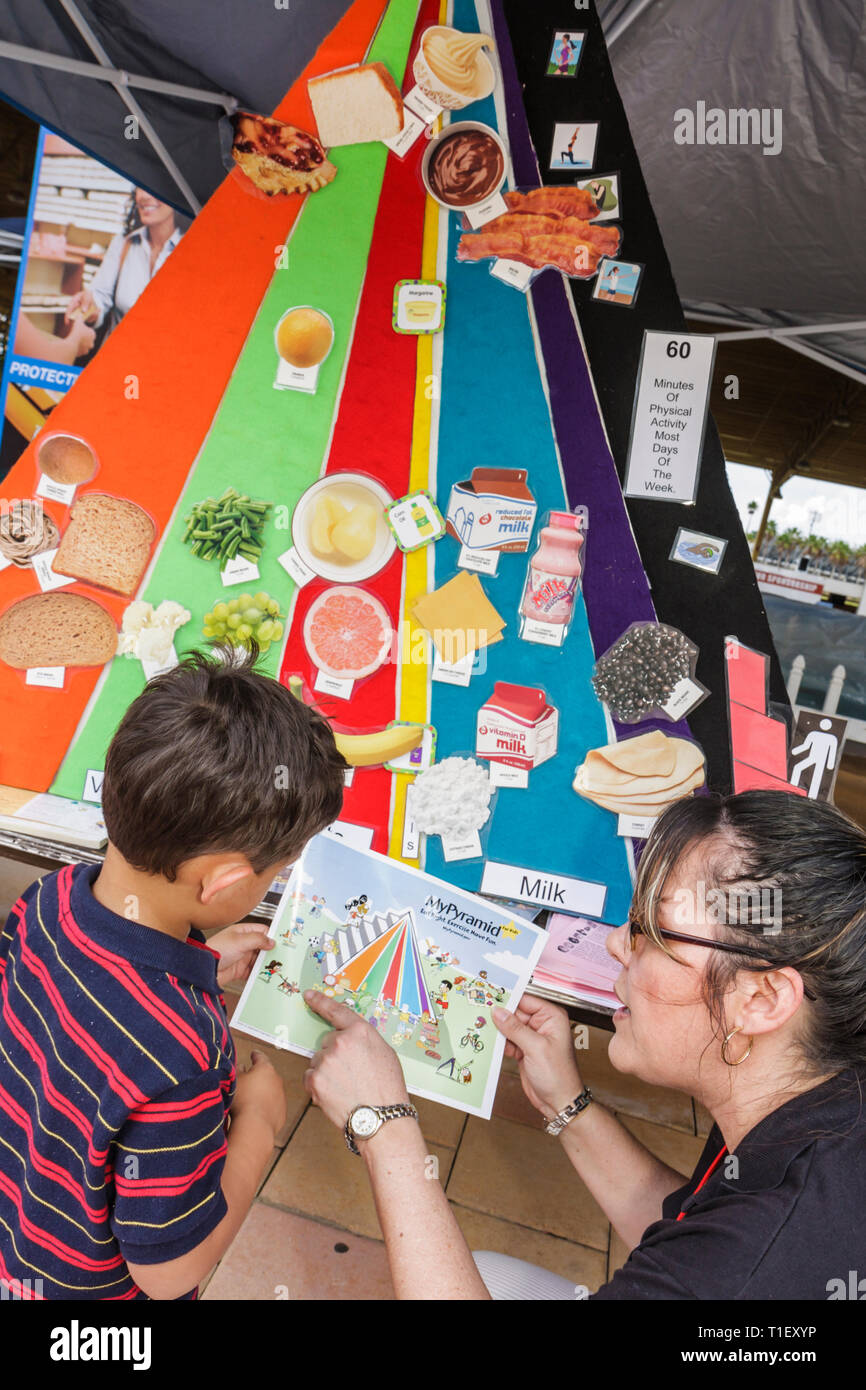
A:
[414,701]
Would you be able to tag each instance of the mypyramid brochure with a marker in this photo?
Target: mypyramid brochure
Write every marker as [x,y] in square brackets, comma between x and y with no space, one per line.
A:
[421,961]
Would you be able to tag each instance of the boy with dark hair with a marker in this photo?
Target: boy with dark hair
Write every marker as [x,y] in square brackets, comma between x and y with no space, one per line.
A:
[119,1175]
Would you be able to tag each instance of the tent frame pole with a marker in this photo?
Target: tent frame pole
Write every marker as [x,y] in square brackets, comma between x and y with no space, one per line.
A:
[104,72]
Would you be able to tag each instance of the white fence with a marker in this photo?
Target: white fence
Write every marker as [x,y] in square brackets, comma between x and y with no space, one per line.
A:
[856,727]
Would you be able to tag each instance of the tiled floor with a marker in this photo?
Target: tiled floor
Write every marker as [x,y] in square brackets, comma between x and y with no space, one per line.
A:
[313,1232]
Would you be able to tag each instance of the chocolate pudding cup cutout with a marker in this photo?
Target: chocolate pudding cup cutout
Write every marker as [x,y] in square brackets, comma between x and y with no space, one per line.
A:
[66,459]
[476,69]
[464,165]
[304,336]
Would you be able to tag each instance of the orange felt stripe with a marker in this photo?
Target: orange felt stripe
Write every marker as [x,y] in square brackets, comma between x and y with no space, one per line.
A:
[180,342]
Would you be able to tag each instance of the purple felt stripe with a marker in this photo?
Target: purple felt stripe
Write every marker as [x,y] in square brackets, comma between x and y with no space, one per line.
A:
[615,586]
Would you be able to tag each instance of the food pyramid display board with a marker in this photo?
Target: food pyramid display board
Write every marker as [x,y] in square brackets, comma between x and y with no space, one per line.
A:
[203,413]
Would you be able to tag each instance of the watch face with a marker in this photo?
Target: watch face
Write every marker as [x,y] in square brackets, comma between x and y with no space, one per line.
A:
[364,1122]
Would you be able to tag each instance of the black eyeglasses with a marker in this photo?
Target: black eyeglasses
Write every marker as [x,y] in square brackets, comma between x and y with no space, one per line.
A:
[635,929]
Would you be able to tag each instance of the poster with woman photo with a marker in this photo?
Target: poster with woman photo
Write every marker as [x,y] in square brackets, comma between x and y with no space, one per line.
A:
[92,243]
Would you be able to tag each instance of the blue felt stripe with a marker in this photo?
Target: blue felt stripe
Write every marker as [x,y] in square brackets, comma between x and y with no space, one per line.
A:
[494,414]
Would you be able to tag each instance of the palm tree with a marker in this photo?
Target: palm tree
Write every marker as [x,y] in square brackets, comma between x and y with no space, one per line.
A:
[860,559]
[840,554]
[789,541]
[751,509]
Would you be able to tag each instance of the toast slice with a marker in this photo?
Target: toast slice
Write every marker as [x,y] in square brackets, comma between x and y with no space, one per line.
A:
[56,630]
[356,105]
[107,543]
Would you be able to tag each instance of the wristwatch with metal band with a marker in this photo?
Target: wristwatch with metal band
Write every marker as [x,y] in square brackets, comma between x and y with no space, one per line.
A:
[367,1120]
[568,1112]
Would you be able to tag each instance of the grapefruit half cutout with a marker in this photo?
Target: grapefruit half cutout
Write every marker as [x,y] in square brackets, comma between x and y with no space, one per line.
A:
[347,632]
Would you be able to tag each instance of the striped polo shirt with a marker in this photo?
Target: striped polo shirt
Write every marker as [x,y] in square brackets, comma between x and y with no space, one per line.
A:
[116,1075]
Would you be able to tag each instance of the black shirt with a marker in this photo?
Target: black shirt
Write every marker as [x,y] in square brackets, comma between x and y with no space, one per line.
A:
[785,1221]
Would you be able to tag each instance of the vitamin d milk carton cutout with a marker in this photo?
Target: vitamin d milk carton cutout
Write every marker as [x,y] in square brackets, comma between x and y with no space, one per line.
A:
[492,510]
[517,730]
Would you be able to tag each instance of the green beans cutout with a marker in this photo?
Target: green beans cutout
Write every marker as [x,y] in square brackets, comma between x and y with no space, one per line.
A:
[221,528]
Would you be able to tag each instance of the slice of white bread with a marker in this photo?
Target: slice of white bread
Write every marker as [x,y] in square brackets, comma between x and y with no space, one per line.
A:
[356,105]
[107,543]
[56,630]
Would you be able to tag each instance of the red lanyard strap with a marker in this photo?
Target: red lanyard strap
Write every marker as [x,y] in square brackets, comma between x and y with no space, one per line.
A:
[707,1175]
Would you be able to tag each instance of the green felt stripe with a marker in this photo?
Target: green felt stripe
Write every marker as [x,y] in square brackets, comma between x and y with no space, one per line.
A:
[270,444]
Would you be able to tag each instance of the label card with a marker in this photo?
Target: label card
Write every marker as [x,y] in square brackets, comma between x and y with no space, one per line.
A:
[564,894]
[291,378]
[422,105]
[417,759]
[670,415]
[47,577]
[418,306]
[503,775]
[93,786]
[51,676]
[684,696]
[411,846]
[348,776]
[635,827]
[295,567]
[358,836]
[414,521]
[483,561]
[56,492]
[546,634]
[466,846]
[512,273]
[333,685]
[413,126]
[239,571]
[156,668]
[494,206]
[453,673]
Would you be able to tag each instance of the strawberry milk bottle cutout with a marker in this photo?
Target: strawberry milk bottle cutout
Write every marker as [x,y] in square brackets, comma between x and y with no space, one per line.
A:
[552,582]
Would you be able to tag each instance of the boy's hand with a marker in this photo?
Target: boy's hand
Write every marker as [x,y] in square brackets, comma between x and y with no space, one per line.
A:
[354,1065]
[238,947]
[259,1088]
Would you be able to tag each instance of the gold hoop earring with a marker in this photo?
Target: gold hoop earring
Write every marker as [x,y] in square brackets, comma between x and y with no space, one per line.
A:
[725,1058]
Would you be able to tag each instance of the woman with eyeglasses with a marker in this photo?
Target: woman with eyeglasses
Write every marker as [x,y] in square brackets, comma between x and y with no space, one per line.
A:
[743,984]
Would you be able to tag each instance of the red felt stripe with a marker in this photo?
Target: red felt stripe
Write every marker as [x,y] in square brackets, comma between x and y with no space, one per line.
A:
[373,434]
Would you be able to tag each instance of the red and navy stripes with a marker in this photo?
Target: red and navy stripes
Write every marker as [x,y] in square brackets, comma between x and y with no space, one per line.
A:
[116,1075]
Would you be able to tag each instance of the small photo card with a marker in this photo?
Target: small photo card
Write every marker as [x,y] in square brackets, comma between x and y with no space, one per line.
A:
[419,306]
[415,520]
[574,145]
[417,759]
[617,282]
[605,190]
[699,550]
[566,52]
